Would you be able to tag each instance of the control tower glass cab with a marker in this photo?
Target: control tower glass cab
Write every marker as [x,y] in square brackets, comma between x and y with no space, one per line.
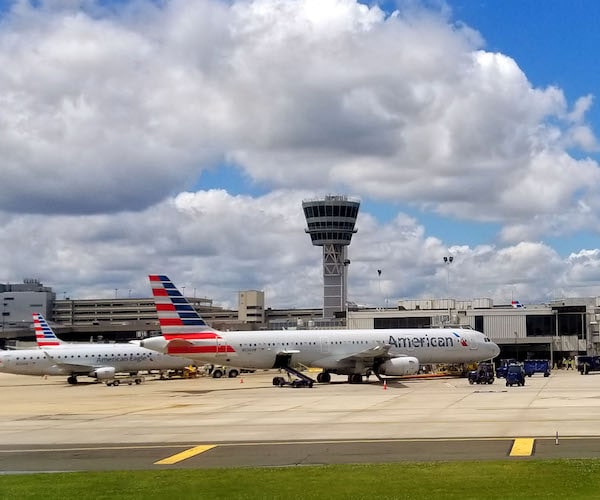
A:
[331,225]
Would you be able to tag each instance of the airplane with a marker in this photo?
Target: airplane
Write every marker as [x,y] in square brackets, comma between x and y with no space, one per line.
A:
[45,336]
[355,353]
[99,361]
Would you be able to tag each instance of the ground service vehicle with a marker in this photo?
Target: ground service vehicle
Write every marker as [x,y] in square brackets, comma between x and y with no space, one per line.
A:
[587,364]
[483,375]
[134,379]
[532,366]
[503,368]
[515,375]
[221,371]
[297,382]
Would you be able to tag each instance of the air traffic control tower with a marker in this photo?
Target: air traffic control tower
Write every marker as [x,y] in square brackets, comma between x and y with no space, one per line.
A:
[331,226]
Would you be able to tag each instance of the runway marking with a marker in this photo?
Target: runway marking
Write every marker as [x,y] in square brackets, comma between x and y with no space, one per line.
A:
[196,450]
[522,447]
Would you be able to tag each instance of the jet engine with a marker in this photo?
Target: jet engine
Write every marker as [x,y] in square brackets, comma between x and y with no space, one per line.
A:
[105,373]
[405,365]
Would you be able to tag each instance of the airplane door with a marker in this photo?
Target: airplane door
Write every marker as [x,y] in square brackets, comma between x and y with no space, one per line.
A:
[221,349]
[324,344]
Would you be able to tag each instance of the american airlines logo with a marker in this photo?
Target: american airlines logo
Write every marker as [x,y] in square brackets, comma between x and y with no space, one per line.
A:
[137,358]
[425,341]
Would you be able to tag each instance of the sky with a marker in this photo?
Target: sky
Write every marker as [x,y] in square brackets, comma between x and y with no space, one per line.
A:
[180,137]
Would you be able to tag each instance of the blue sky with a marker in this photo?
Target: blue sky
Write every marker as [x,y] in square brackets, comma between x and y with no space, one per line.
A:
[179,137]
[554,42]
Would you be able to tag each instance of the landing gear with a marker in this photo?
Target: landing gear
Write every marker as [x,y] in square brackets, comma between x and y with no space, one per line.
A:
[355,378]
[324,377]
[72,380]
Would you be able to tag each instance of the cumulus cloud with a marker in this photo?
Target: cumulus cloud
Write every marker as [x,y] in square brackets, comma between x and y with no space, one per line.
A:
[215,244]
[112,112]
[305,92]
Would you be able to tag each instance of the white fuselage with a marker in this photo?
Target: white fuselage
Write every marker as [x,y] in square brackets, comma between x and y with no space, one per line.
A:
[86,359]
[331,349]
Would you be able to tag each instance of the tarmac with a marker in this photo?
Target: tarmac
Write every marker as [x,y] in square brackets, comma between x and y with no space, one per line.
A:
[46,424]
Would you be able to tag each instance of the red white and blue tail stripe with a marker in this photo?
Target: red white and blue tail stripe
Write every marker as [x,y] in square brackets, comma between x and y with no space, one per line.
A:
[180,321]
[44,335]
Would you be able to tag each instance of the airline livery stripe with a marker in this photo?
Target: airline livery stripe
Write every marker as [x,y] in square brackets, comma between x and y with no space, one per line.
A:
[522,447]
[196,450]
[198,349]
[195,335]
[170,322]
[159,292]
[167,306]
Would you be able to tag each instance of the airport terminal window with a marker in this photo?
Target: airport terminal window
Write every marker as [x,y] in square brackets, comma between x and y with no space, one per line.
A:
[479,323]
[539,326]
[415,322]
[572,324]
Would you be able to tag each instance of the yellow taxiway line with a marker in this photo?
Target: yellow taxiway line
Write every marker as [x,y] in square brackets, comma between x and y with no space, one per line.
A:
[522,447]
[196,450]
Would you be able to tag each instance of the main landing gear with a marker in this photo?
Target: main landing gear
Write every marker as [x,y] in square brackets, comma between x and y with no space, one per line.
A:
[355,378]
[72,380]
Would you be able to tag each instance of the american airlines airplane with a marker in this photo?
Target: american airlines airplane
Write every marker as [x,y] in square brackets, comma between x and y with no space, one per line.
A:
[100,361]
[354,353]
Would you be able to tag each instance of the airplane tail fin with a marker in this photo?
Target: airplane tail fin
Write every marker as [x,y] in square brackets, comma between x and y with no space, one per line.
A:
[44,335]
[177,317]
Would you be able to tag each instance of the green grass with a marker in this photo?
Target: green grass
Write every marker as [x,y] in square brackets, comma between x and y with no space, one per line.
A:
[547,479]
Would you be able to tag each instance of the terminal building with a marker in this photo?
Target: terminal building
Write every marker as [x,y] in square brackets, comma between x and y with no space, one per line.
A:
[560,328]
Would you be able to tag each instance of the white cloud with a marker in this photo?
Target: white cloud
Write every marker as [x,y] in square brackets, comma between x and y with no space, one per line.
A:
[216,244]
[296,92]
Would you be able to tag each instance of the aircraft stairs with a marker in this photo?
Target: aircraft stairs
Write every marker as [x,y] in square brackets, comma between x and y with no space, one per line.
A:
[301,380]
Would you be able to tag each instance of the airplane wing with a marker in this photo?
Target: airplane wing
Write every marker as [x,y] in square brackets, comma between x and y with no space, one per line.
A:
[379,351]
[73,367]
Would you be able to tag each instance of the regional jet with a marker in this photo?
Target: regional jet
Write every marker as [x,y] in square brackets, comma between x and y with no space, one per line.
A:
[99,361]
[355,353]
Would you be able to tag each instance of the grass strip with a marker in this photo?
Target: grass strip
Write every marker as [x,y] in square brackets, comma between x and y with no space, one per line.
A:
[530,479]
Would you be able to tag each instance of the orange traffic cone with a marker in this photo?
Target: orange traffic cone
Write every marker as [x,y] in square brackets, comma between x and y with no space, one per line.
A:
[385,385]
[241,381]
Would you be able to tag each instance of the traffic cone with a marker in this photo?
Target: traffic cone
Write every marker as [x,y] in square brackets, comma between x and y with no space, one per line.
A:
[385,385]
[241,380]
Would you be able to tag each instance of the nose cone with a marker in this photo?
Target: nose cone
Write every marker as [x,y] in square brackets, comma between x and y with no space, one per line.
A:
[495,350]
[158,344]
